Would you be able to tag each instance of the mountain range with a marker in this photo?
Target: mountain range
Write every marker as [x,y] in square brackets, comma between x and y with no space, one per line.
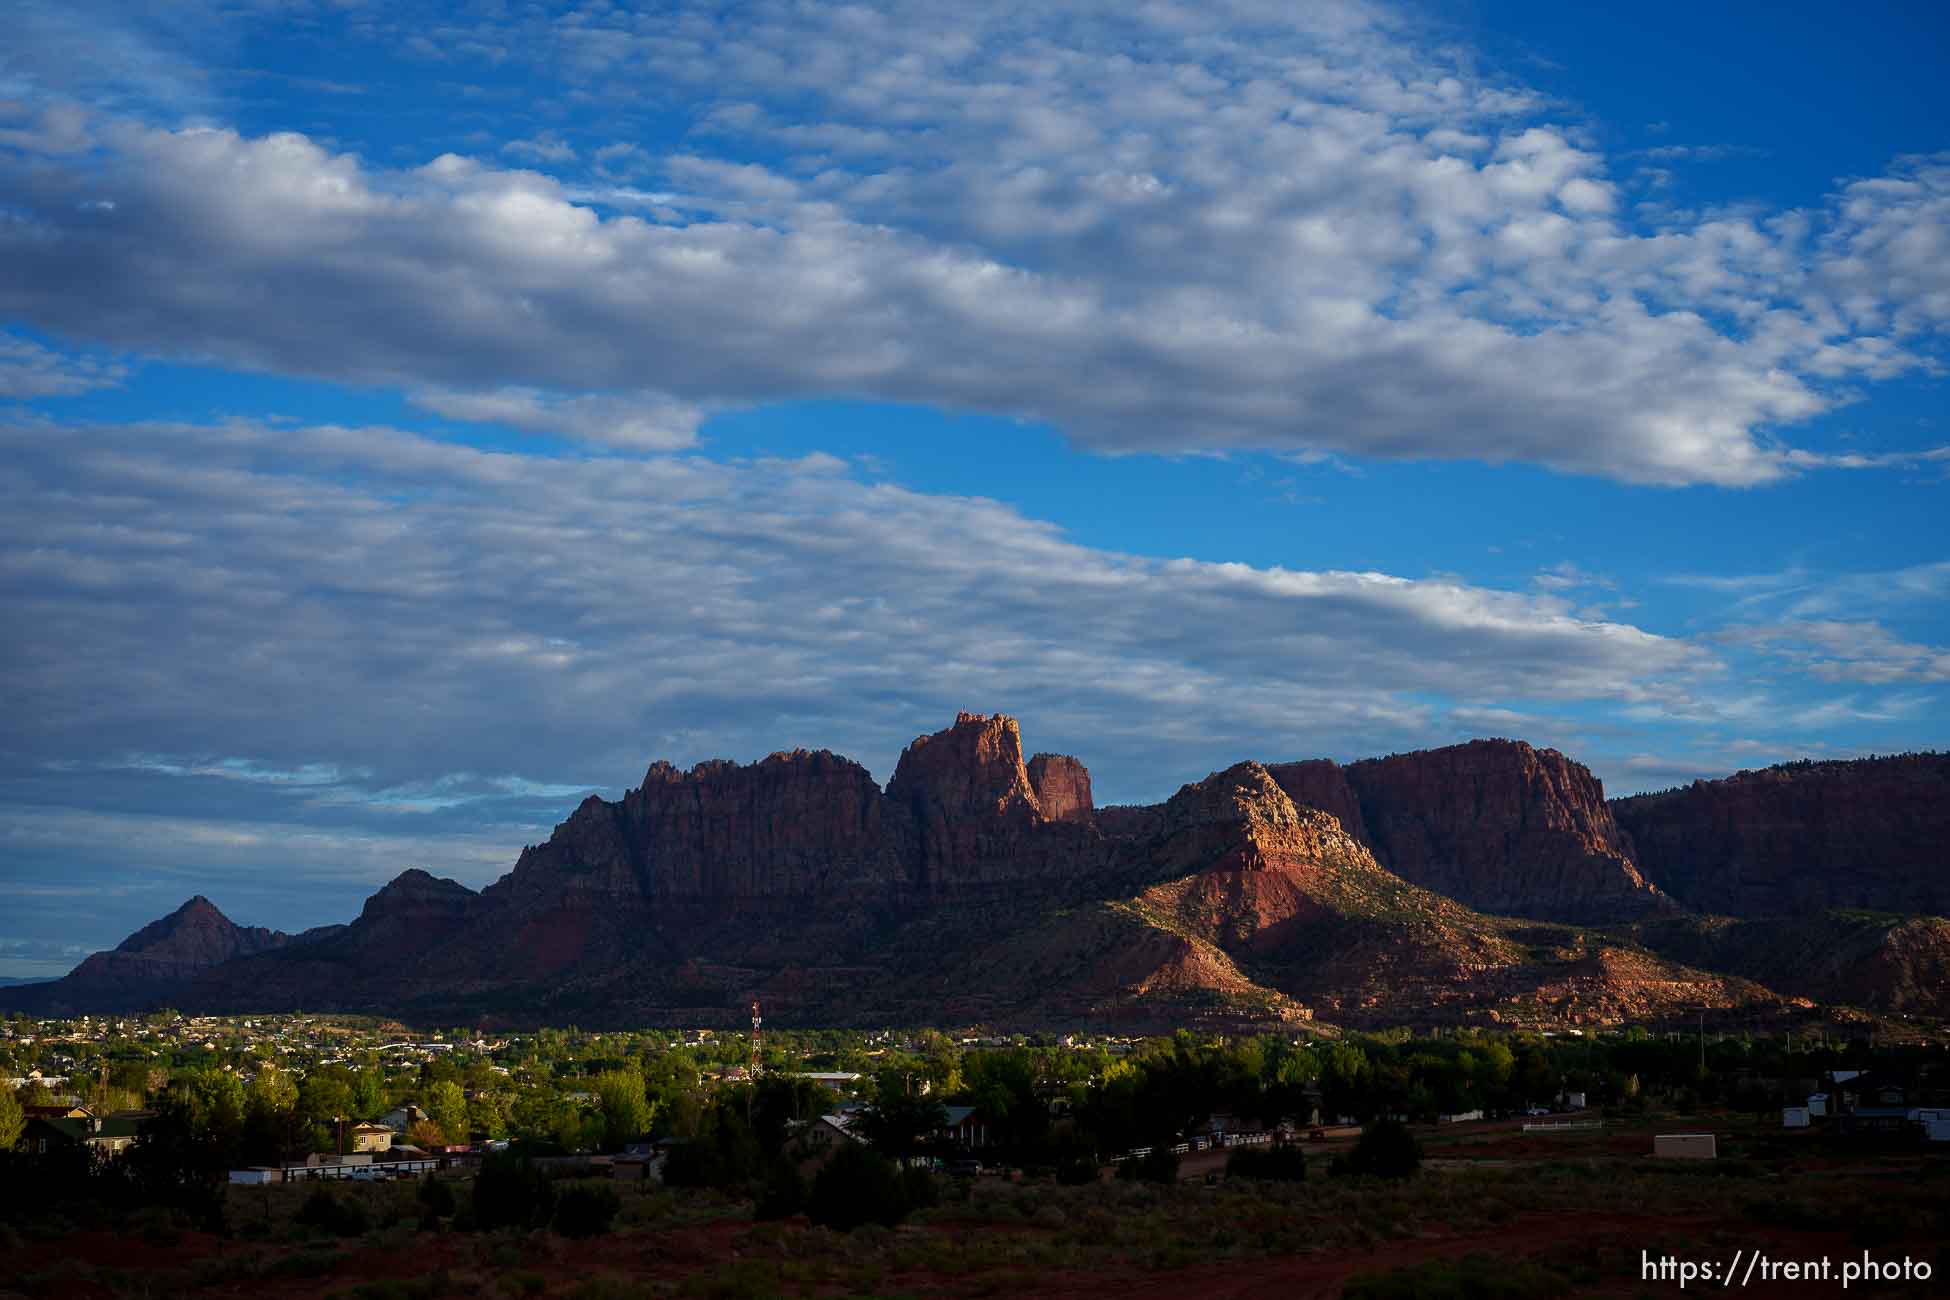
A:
[1487,883]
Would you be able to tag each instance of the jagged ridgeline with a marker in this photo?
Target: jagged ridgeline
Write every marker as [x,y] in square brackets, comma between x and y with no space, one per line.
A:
[1482,883]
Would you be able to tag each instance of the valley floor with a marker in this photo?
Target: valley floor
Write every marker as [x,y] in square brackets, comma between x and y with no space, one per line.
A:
[1495,1212]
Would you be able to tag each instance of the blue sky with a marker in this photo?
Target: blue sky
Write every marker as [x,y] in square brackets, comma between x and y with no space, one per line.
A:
[418,416]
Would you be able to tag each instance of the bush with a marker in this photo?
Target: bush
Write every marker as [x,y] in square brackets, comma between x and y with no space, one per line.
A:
[436,1198]
[328,1213]
[1077,1171]
[1386,1150]
[587,1210]
[1160,1166]
[858,1185]
[511,1193]
[1277,1164]
[783,1192]
[1473,1277]
[919,1189]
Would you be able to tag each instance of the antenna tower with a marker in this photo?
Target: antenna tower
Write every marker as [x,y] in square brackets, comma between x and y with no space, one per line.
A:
[756,1022]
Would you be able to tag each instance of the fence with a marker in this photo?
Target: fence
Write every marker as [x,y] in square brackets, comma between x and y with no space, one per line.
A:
[1212,1143]
[1564,1126]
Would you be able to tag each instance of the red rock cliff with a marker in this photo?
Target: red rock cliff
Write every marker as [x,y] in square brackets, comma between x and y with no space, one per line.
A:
[791,825]
[1320,783]
[1870,833]
[969,795]
[1504,828]
[1062,787]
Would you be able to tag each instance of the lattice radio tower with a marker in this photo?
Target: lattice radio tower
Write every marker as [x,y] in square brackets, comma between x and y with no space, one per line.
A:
[756,1022]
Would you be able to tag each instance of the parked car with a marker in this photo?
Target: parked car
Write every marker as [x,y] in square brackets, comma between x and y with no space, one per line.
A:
[1534,1111]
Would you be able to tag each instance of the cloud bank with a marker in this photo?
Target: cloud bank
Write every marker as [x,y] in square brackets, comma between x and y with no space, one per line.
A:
[1166,229]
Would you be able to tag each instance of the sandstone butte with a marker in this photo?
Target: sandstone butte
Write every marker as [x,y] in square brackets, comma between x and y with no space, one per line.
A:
[1450,885]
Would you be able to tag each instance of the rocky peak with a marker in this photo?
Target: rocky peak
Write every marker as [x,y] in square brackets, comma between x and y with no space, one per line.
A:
[796,822]
[969,797]
[1320,783]
[1240,819]
[198,934]
[417,891]
[973,768]
[1503,827]
[1245,794]
[1062,787]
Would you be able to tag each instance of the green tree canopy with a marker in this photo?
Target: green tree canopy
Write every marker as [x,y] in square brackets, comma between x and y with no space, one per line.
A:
[446,1106]
[12,1119]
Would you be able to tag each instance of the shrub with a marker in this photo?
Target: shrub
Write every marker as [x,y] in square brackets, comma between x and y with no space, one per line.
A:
[1473,1277]
[1077,1171]
[1386,1150]
[587,1210]
[436,1198]
[328,1213]
[857,1186]
[511,1192]
[1278,1164]
[1159,1166]
[783,1192]
[919,1189]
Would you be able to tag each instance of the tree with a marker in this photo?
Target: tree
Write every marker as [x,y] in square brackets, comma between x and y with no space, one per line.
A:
[325,1098]
[626,1112]
[12,1119]
[1386,1150]
[272,1129]
[586,1209]
[858,1185]
[447,1107]
[898,1124]
[1344,1081]
[510,1192]
[368,1093]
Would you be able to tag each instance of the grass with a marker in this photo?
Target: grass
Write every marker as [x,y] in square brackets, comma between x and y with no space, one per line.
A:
[1002,1238]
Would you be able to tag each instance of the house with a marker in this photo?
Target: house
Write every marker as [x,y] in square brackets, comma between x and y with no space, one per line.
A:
[109,1136]
[401,1118]
[966,1127]
[1871,1104]
[370,1138]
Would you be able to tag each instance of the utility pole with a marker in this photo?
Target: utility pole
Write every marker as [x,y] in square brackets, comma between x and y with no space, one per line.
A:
[751,1073]
[1702,1042]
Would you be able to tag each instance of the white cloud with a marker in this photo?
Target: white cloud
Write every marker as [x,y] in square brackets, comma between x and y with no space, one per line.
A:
[373,603]
[648,423]
[1837,650]
[29,370]
[541,149]
[1161,229]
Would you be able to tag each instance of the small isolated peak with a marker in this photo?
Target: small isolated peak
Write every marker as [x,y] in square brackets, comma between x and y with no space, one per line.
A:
[973,766]
[1244,792]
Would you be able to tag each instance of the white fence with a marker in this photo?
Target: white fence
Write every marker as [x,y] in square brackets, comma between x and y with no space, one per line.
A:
[1564,1126]
[1213,1143]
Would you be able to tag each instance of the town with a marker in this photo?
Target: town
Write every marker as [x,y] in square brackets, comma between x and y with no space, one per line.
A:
[200,1126]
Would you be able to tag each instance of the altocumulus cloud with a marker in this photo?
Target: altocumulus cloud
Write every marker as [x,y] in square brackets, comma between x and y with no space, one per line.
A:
[346,618]
[1162,228]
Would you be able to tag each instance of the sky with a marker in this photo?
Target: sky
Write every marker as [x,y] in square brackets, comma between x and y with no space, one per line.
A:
[419,416]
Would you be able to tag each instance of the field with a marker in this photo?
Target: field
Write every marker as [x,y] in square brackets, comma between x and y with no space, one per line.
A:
[1495,1212]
